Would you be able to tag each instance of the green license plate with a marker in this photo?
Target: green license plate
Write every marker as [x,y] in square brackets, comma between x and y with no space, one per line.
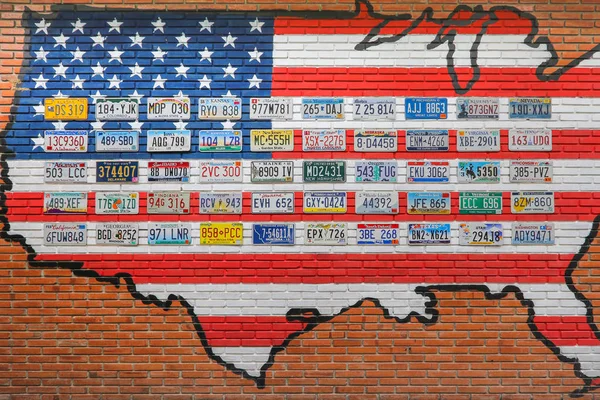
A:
[324,171]
[480,203]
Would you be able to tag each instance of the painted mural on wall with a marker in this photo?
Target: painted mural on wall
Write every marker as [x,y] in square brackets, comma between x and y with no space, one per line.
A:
[269,171]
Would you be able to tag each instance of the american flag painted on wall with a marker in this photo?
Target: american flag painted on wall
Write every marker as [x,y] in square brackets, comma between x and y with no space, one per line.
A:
[248,301]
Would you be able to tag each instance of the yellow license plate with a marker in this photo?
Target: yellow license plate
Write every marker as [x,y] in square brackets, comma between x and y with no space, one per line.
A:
[272,140]
[70,109]
[221,233]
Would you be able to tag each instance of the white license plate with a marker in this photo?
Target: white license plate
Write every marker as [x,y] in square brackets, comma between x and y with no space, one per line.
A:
[220,202]
[117,203]
[477,108]
[220,141]
[532,202]
[65,172]
[271,140]
[220,172]
[325,202]
[480,234]
[168,171]
[219,108]
[378,234]
[323,108]
[65,203]
[427,140]
[376,171]
[329,234]
[273,203]
[533,233]
[169,141]
[374,108]
[377,203]
[432,203]
[169,108]
[169,234]
[117,109]
[479,171]
[477,140]
[168,203]
[419,234]
[65,234]
[530,140]
[324,140]
[271,108]
[428,171]
[272,171]
[66,141]
[117,234]
[384,140]
[123,141]
[531,171]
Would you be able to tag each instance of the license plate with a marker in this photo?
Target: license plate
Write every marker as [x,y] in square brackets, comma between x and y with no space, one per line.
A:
[168,171]
[221,233]
[530,108]
[532,202]
[378,234]
[219,108]
[325,202]
[480,203]
[530,140]
[531,171]
[428,171]
[169,234]
[117,234]
[477,108]
[273,234]
[169,141]
[220,141]
[426,108]
[376,203]
[272,171]
[273,203]
[272,140]
[220,202]
[65,203]
[429,234]
[533,233]
[374,108]
[427,140]
[324,140]
[121,141]
[331,234]
[479,171]
[168,108]
[117,109]
[474,140]
[66,141]
[324,171]
[323,108]
[376,171]
[428,203]
[117,171]
[220,172]
[384,140]
[65,234]
[480,234]
[117,203]
[70,109]
[168,203]
[65,172]
[271,108]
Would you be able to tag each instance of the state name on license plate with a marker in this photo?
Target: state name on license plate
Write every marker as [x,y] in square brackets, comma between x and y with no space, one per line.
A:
[273,234]
[428,171]
[480,203]
[68,109]
[477,108]
[474,140]
[117,141]
[426,108]
[325,202]
[169,141]
[168,171]
[378,234]
[533,233]
[117,171]
[323,108]
[429,234]
[65,172]
[272,171]
[221,233]
[324,171]
[324,140]
[220,202]
[66,141]
[330,234]
[117,203]
[532,202]
[479,171]
[273,203]
[219,108]
[65,203]
[169,108]
[374,108]
[376,203]
[271,140]
[382,140]
[530,108]
[228,171]
[427,140]
[530,140]
[168,203]
[117,234]
[376,171]
[169,233]
[480,234]
[220,141]
[428,203]
[531,171]
[117,109]
[271,108]
[65,234]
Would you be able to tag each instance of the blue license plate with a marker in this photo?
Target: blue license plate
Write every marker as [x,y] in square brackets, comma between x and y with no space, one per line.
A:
[530,108]
[117,171]
[273,234]
[220,141]
[426,108]
[429,234]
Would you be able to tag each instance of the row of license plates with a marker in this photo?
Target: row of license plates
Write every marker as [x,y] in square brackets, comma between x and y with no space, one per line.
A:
[323,234]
